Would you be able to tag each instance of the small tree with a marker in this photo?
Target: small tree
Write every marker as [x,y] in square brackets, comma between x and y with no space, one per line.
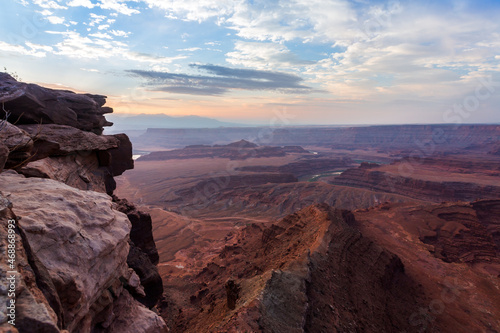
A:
[13,74]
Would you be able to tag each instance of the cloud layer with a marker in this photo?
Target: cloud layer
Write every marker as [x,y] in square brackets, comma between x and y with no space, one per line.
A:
[221,80]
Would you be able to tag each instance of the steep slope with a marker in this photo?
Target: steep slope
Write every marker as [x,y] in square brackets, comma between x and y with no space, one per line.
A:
[451,249]
[311,271]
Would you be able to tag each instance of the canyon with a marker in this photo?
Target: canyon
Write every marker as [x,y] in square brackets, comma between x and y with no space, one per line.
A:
[367,229]
[251,229]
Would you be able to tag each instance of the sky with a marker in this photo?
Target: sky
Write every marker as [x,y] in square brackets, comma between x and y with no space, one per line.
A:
[291,62]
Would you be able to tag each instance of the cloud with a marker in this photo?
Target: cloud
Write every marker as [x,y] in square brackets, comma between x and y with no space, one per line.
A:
[193,10]
[264,56]
[118,6]
[221,80]
[55,19]
[48,4]
[81,3]
[96,19]
[101,35]
[152,59]
[190,49]
[119,33]
[34,51]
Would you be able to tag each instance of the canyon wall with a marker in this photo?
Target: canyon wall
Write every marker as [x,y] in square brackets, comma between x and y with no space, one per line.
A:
[397,137]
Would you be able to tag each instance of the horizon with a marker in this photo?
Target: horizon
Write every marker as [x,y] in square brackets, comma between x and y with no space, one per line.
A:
[287,63]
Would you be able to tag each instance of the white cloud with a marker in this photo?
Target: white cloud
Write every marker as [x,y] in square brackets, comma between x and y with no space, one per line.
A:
[103,27]
[193,10]
[18,49]
[93,70]
[96,19]
[101,35]
[46,12]
[117,6]
[119,33]
[100,46]
[55,19]
[48,4]
[37,47]
[264,56]
[81,3]
[143,57]
[190,49]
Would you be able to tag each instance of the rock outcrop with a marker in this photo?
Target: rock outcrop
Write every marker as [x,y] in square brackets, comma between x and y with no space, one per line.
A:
[32,104]
[81,159]
[74,242]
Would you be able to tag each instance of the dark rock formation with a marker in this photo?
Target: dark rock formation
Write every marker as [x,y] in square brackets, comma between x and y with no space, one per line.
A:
[240,150]
[143,255]
[32,104]
[232,293]
[121,159]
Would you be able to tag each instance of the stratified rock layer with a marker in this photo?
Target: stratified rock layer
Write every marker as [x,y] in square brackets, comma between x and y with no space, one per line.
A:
[32,104]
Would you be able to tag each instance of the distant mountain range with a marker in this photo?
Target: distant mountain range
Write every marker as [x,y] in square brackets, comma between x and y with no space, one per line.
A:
[142,122]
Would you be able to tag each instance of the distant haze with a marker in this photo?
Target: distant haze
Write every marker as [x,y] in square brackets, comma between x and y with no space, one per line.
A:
[144,121]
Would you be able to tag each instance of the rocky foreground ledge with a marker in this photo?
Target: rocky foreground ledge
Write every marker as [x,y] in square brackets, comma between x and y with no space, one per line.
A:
[84,259]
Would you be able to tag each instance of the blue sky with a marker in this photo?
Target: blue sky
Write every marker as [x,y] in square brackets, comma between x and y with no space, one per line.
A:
[302,62]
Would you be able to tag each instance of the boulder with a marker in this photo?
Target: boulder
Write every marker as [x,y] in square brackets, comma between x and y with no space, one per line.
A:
[18,142]
[80,240]
[55,140]
[80,170]
[34,313]
[32,104]
[131,316]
